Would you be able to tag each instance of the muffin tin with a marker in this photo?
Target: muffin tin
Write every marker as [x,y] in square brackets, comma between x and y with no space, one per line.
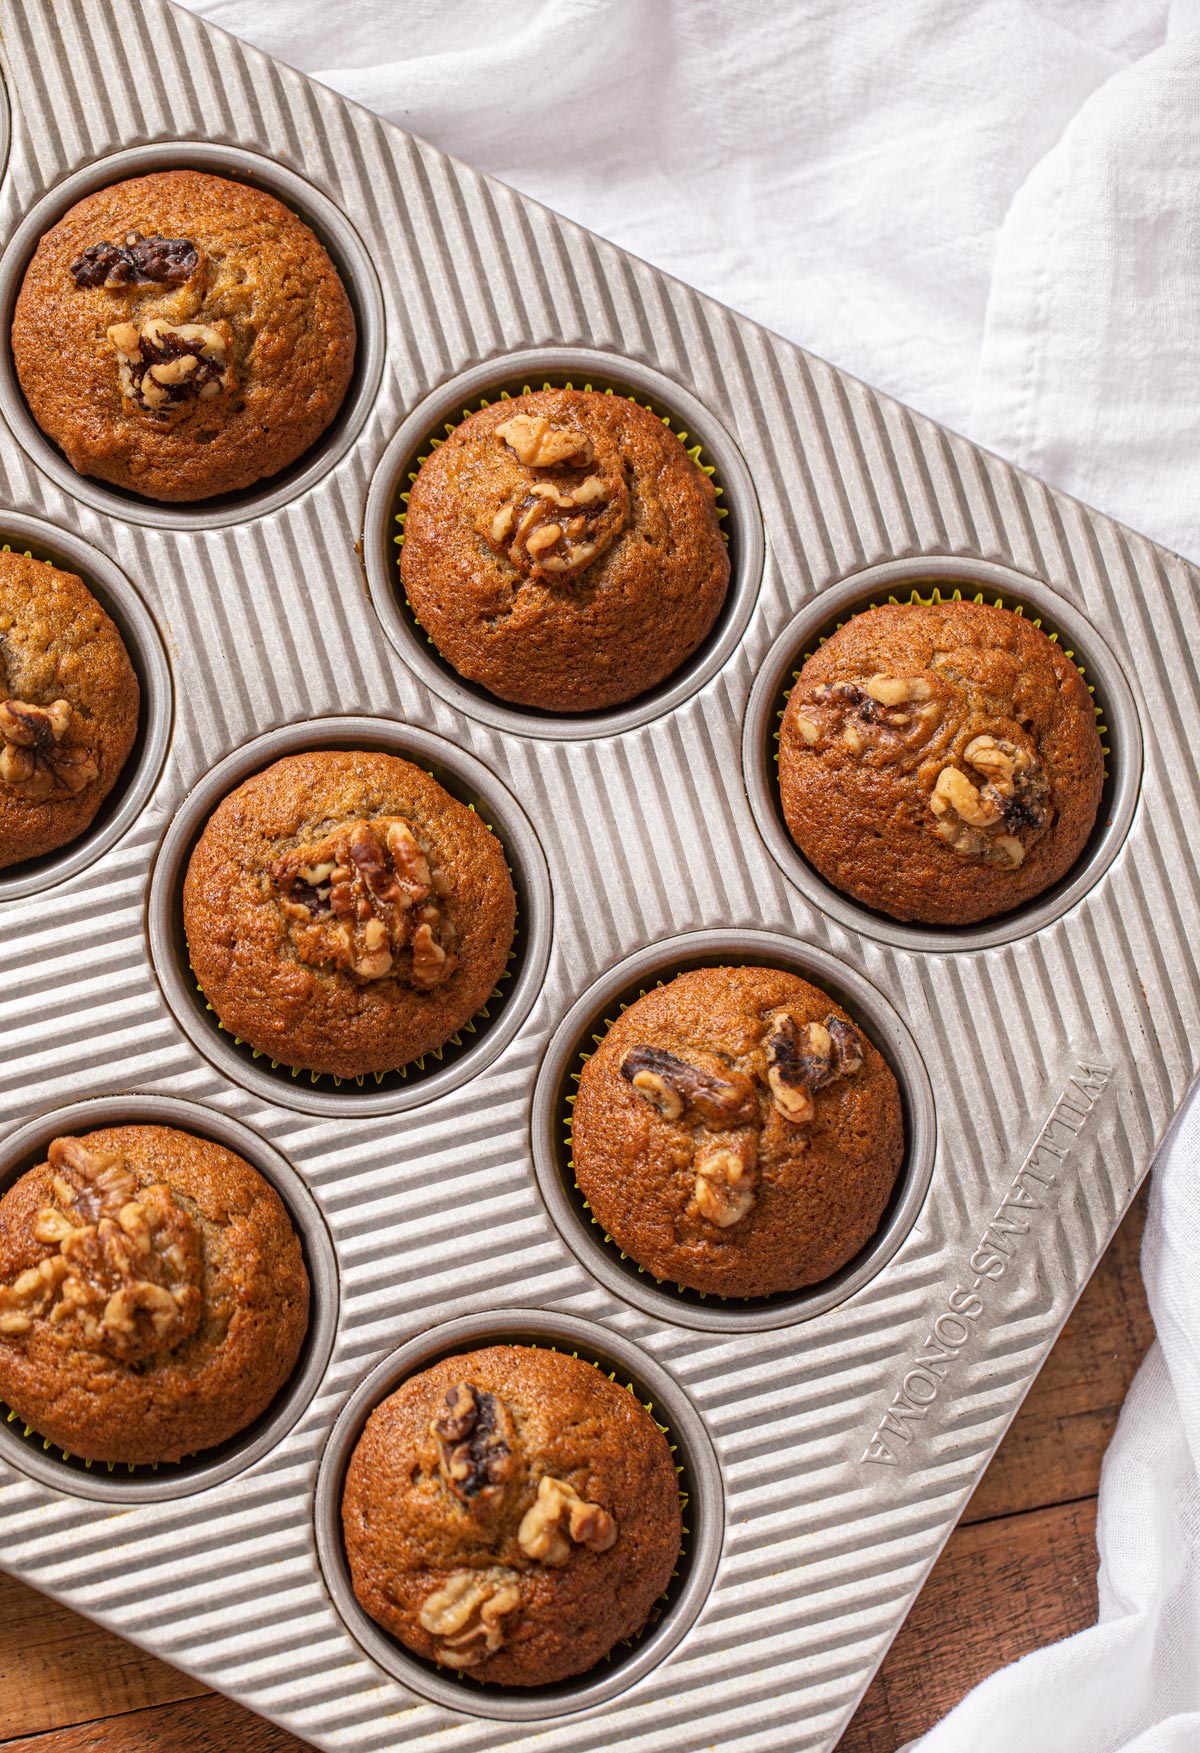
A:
[1042,1058]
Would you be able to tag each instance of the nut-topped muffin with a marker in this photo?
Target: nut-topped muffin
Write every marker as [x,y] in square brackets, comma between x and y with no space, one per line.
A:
[940,761]
[736,1133]
[153,1295]
[182,335]
[69,703]
[345,914]
[511,1513]
[562,549]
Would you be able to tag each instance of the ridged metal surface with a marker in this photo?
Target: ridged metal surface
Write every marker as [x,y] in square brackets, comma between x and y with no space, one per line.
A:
[435,1214]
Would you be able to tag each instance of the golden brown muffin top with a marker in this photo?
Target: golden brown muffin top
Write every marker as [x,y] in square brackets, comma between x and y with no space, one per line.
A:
[153,1295]
[68,707]
[345,913]
[563,549]
[940,761]
[511,1513]
[737,1133]
[182,335]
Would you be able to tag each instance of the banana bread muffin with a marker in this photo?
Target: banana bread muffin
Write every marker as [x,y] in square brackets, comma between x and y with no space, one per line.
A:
[563,549]
[182,335]
[940,762]
[68,707]
[345,914]
[153,1297]
[511,1513]
[736,1133]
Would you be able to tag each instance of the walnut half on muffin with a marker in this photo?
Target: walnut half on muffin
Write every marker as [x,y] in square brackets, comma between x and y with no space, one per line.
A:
[562,549]
[69,702]
[182,335]
[511,1513]
[345,914]
[940,761]
[153,1295]
[736,1133]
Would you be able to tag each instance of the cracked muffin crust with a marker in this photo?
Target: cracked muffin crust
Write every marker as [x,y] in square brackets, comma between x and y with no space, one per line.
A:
[511,1513]
[153,1295]
[940,762]
[69,703]
[345,914]
[182,335]
[736,1133]
[563,550]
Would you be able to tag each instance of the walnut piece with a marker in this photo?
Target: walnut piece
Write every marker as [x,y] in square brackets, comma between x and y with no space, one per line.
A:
[678,1089]
[126,1276]
[139,261]
[40,750]
[162,366]
[476,1443]
[559,1518]
[466,1614]
[860,712]
[726,1179]
[804,1057]
[363,894]
[554,529]
[982,821]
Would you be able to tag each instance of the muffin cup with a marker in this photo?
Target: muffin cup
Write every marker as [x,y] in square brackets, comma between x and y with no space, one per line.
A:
[137,627]
[574,1041]
[557,367]
[700,1488]
[350,258]
[900,581]
[113,1482]
[443,1068]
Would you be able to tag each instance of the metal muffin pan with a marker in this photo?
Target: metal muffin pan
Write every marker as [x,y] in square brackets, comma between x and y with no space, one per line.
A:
[700,1479]
[576,1036]
[577,366]
[143,641]
[441,1071]
[846,1443]
[897,578]
[27,1146]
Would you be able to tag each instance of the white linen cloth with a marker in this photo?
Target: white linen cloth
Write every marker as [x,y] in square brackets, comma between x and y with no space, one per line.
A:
[990,208]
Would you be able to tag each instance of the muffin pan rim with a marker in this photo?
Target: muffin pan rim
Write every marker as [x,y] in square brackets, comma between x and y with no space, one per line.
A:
[712,947]
[102,1484]
[355,268]
[501,1325]
[1123,725]
[143,638]
[695,673]
[179,992]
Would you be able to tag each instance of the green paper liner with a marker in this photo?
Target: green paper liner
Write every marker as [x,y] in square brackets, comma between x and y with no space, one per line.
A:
[682,1564]
[505,393]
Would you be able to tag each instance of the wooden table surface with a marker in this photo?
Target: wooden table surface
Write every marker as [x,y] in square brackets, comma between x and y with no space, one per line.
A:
[1019,1571]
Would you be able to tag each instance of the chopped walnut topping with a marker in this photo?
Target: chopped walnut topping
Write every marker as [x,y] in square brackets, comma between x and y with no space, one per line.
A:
[466,1614]
[803,1057]
[126,1277]
[861,711]
[163,366]
[476,1443]
[726,1179]
[538,445]
[982,821]
[139,261]
[558,1518]
[361,896]
[676,1088]
[40,750]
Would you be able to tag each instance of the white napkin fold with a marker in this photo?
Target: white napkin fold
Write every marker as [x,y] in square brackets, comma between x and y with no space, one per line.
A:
[992,210]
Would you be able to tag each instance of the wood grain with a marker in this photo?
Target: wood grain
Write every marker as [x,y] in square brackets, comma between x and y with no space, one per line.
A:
[1017,1573]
